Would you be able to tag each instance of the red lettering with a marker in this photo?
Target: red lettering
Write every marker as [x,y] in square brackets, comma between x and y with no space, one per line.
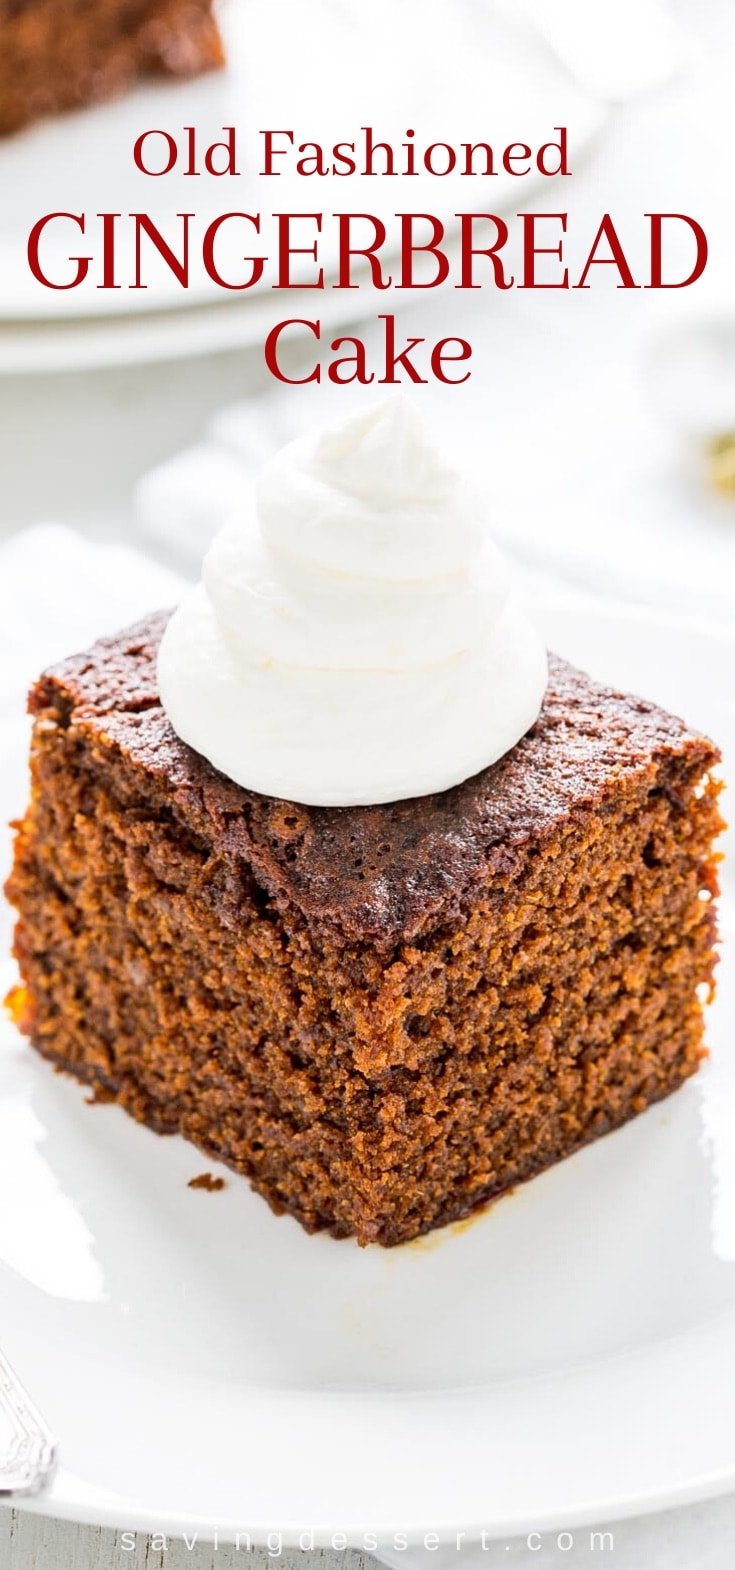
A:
[170,148]
[447,156]
[440,353]
[208,257]
[229,163]
[271,349]
[144,225]
[531,250]
[517,153]
[34,261]
[271,151]
[349,358]
[347,250]
[657,281]
[358,360]
[559,147]
[468,250]
[410,247]
[608,232]
[108,250]
[395,357]
[286,250]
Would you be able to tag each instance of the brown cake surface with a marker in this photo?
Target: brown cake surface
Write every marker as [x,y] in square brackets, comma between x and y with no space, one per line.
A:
[382,1016]
[60,54]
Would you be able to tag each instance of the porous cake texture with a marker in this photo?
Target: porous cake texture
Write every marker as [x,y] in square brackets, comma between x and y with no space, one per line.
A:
[384,1016]
[60,54]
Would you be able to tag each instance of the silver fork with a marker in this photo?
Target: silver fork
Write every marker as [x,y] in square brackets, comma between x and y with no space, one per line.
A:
[31,1456]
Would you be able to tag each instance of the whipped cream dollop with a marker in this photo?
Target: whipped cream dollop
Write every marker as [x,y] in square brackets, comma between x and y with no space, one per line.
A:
[354,639]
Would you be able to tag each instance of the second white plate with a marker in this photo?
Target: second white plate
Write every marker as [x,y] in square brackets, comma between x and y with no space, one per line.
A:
[323,71]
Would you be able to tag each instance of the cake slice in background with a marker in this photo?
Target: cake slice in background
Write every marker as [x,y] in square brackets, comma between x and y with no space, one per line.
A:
[61,54]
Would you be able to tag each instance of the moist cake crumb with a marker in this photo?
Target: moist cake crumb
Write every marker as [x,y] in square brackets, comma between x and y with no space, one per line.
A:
[386,1016]
[207,1181]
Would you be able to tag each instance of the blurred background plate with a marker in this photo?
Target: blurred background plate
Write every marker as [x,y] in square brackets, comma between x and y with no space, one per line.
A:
[156,337]
[347,65]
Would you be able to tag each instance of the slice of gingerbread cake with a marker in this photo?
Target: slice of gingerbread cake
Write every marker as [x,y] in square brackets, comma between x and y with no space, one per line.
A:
[381,1016]
[62,54]
[387,921]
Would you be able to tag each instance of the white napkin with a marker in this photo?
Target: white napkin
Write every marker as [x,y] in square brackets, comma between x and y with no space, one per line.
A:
[58,592]
[615,48]
[634,521]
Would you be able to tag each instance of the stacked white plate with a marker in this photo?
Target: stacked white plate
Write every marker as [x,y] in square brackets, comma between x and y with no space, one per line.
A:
[347,65]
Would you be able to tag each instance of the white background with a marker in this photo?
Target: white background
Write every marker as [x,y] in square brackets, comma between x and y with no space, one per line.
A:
[572,441]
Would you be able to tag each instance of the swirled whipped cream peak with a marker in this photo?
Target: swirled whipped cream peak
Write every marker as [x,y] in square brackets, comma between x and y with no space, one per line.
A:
[354,639]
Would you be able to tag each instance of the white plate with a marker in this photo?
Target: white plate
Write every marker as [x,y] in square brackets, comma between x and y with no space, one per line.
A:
[323,69]
[567,1357]
[156,337]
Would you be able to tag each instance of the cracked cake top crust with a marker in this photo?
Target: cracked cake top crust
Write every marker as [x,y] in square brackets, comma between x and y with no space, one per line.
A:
[383,874]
